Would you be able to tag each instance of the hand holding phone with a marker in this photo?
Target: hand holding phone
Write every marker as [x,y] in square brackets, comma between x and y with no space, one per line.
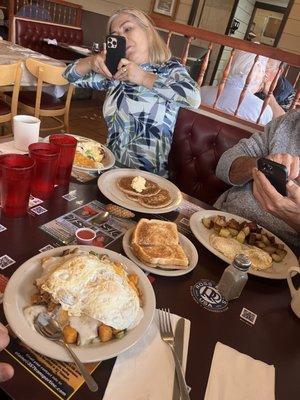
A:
[276,173]
[116,50]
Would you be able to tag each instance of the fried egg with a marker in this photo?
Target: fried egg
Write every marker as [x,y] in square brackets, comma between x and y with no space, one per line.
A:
[230,248]
[87,286]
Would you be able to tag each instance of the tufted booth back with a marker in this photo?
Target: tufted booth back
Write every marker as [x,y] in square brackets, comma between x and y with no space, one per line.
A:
[198,143]
[30,33]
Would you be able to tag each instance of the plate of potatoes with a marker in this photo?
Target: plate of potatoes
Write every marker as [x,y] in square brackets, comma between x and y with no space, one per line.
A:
[205,223]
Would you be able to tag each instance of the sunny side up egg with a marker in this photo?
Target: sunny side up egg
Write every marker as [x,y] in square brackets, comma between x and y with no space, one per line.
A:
[84,285]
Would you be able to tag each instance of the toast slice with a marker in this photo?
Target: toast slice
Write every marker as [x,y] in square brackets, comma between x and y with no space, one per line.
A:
[168,256]
[153,232]
[124,184]
[156,242]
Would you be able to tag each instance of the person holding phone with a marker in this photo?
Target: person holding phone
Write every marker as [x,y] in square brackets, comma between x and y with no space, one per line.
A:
[143,94]
[286,208]
[280,142]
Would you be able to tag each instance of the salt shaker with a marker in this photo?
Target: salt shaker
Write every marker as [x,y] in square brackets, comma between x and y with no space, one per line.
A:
[234,277]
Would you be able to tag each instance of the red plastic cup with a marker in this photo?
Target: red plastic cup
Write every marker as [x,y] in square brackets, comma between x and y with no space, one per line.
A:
[67,145]
[1,159]
[16,174]
[45,156]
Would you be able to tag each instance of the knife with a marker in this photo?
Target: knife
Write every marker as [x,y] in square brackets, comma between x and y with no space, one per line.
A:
[179,338]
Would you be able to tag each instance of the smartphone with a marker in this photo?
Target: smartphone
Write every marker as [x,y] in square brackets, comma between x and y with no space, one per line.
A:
[276,173]
[116,49]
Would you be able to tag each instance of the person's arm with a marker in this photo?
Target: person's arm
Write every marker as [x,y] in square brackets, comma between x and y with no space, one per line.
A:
[6,370]
[276,109]
[172,82]
[241,169]
[89,72]
[177,86]
[285,208]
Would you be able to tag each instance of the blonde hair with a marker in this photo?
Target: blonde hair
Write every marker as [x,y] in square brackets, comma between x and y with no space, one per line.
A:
[158,50]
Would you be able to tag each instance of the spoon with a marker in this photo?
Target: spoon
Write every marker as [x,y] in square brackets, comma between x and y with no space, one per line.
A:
[102,217]
[49,328]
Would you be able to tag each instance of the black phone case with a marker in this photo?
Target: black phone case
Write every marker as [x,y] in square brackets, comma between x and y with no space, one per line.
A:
[276,173]
[116,49]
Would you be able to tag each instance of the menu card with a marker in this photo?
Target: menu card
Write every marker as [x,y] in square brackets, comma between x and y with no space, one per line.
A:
[61,378]
[87,216]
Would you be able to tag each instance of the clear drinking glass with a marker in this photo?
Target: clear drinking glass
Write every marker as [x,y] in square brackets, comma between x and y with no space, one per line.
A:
[95,48]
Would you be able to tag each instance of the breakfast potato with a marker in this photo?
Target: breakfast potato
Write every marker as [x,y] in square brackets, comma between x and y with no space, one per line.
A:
[105,333]
[241,237]
[70,334]
[246,233]
[224,232]
[207,222]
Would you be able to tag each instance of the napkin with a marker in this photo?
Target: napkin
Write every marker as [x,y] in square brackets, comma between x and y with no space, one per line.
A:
[146,370]
[236,376]
[82,50]
[50,41]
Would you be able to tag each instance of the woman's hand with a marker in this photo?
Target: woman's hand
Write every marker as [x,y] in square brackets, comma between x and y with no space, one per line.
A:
[95,63]
[6,370]
[285,208]
[131,72]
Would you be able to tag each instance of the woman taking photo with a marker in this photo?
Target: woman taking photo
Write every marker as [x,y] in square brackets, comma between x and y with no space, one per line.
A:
[144,95]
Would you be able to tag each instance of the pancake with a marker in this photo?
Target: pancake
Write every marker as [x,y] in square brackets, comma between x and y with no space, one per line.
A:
[124,184]
[159,200]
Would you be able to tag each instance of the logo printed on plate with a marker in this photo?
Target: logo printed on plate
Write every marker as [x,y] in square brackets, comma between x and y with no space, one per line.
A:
[205,293]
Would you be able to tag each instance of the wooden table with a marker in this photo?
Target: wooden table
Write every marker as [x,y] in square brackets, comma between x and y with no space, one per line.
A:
[12,53]
[273,339]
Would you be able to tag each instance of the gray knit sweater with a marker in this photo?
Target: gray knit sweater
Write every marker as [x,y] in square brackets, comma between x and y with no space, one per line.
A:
[281,135]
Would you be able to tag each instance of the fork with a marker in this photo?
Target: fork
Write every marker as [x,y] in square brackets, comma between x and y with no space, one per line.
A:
[166,333]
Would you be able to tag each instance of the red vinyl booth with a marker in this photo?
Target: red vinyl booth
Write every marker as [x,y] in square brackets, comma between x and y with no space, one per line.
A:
[198,143]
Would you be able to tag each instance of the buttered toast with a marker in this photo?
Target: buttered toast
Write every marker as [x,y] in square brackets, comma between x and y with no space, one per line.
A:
[156,242]
[153,232]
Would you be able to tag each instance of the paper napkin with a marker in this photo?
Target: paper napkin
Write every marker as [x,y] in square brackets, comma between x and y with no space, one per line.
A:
[146,370]
[236,376]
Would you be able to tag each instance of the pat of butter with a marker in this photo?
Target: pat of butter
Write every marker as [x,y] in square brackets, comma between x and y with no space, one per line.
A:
[138,184]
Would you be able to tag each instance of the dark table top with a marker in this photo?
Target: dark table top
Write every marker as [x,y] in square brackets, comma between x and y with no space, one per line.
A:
[272,339]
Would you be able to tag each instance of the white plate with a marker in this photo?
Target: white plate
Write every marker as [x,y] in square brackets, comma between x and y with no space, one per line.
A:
[108,160]
[187,245]
[20,288]
[276,271]
[107,184]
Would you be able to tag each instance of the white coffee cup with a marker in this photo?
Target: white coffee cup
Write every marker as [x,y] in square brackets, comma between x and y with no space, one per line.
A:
[295,293]
[26,129]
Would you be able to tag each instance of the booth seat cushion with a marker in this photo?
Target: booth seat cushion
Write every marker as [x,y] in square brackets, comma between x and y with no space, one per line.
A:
[30,33]
[198,143]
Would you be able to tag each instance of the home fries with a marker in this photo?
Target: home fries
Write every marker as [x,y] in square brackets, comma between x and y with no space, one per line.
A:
[231,237]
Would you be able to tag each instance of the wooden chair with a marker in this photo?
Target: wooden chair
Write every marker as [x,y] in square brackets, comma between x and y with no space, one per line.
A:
[42,104]
[10,75]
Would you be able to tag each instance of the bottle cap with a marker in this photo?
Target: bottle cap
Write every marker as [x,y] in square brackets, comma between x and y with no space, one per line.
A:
[242,262]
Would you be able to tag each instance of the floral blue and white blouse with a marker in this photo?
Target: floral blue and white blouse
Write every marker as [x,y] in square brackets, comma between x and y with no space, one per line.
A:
[140,120]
